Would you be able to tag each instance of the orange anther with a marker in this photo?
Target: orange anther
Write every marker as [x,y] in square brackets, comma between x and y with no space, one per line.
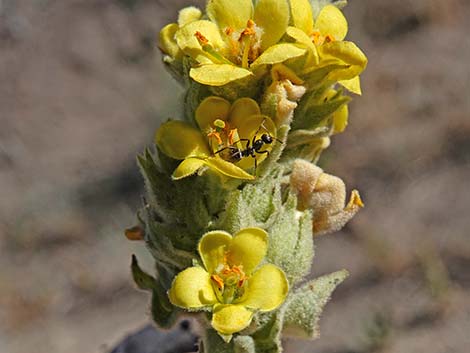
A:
[218,281]
[229,31]
[231,135]
[216,135]
[329,38]
[200,37]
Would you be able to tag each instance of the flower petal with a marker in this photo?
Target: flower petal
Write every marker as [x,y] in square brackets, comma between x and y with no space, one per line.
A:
[187,167]
[248,127]
[227,168]
[167,42]
[302,38]
[343,53]
[273,17]
[179,140]
[187,41]
[248,248]
[278,53]
[188,14]
[192,289]
[243,108]
[353,85]
[228,318]
[218,74]
[212,248]
[340,119]
[210,109]
[302,16]
[332,21]
[267,289]
[230,13]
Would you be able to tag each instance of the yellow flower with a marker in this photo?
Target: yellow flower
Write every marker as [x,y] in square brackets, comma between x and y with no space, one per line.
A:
[224,132]
[237,40]
[324,40]
[232,284]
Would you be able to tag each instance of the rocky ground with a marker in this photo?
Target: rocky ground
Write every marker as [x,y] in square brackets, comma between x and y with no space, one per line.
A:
[81,93]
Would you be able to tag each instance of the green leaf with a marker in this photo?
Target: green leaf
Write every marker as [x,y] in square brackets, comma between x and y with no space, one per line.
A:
[142,279]
[304,307]
[291,241]
[163,312]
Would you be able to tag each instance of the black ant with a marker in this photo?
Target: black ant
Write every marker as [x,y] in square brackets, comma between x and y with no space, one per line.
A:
[236,154]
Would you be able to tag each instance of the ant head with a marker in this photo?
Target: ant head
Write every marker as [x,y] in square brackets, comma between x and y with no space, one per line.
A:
[267,138]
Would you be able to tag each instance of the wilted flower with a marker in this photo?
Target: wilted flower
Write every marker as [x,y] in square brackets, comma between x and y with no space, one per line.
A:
[325,194]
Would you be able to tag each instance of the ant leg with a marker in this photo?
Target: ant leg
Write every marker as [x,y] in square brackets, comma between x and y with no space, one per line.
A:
[266,152]
[225,148]
[246,140]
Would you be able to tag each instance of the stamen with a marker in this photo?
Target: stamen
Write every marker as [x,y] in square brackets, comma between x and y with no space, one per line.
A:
[200,37]
[218,281]
[231,136]
[318,39]
[329,38]
[215,134]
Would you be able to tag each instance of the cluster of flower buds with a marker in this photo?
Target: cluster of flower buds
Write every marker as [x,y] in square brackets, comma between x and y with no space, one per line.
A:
[265,88]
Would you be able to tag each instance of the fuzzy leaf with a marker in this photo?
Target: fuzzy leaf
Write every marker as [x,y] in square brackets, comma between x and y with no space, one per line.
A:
[303,309]
[237,214]
[164,314]
[142,279]
[244,344]
[291,241]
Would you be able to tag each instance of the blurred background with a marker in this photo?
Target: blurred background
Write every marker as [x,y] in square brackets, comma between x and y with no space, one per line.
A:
[82,91]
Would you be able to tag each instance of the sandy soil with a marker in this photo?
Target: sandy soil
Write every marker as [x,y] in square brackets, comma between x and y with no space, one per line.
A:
[82,91]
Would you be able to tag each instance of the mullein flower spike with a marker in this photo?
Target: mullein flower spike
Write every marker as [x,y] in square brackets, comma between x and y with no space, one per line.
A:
[264,95]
